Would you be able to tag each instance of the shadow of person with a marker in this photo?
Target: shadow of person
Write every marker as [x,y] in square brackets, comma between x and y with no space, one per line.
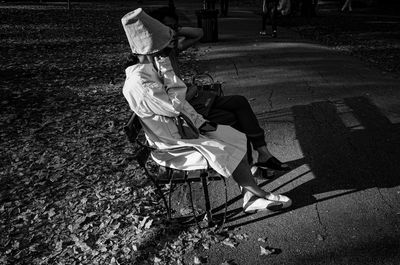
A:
[349,146]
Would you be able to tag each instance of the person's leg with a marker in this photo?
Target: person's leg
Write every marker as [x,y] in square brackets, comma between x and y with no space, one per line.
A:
[221,116]
[245,119]
[225,117]
[236,111]
[247,123]
[343,6]
[346,5]
[242,175]
[254,198]
[273,14]
[264,17]
[224,7]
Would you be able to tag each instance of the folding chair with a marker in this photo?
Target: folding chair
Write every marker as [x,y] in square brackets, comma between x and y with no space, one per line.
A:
[135,135]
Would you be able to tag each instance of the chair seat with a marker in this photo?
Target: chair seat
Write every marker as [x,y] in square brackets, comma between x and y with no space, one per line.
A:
[179,176]
[134,133]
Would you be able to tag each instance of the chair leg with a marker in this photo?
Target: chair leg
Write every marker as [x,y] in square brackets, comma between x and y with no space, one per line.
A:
[191,200]
[226,204]
[159,191]
[170,175]
[203,176]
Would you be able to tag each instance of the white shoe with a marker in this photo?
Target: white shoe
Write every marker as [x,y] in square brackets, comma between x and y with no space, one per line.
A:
[262,173]
[252,203]
[256,204]
[286,201]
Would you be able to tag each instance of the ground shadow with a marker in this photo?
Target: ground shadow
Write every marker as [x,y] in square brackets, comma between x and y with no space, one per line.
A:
[349,145]
[380,251]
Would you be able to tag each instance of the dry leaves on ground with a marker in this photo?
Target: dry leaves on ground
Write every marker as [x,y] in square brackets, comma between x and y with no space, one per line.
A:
[70,191]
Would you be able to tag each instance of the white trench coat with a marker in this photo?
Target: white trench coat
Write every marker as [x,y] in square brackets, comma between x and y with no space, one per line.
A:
[156,96]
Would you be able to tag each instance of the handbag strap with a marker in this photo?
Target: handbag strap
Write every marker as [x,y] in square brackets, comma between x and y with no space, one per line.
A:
[199,76]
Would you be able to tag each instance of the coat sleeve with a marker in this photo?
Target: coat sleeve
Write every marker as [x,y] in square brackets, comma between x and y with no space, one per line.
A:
[176,90]
[158,101]
[174,86]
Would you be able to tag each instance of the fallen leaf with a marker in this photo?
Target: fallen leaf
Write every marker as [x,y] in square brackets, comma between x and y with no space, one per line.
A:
[206,245]
[143,222]
[148,224]
[196,260]
[266,251]
[51,212]
[261,240]
[229,243]
[134,247]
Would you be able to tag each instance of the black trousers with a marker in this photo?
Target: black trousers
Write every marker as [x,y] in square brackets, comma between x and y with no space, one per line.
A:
[270,13]
[236,111]
[224,7]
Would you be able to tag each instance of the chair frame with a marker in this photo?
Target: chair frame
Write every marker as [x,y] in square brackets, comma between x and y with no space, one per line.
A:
[134,132]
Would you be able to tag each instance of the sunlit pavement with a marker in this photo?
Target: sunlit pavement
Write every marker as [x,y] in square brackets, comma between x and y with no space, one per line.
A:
[336,121]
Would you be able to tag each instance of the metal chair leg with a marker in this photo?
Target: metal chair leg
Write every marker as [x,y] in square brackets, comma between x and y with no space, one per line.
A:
[226,204]
[159,191]
[203,176]
[171,176]
[191,200]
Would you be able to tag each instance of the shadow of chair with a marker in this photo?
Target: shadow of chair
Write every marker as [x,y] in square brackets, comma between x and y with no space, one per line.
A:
[349,145]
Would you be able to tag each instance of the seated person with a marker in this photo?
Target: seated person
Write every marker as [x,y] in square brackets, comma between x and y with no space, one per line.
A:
[157,96]
[232,110]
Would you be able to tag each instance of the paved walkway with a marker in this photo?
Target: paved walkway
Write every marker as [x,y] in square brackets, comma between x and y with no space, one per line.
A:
[336,121]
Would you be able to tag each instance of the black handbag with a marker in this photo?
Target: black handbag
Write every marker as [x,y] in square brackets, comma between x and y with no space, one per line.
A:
[186,128]
[207,91]
[205,82]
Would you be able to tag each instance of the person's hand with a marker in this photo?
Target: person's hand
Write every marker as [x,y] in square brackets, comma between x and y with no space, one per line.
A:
[191,92]
[174,41]
[208,126]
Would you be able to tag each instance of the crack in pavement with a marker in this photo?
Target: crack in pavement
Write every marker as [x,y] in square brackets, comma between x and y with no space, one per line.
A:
[239,82]
[270,100]
[309,88]
[236,69]
[320,221]
[384,199]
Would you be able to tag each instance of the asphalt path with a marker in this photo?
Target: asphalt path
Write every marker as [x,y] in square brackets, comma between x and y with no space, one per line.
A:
[336,121]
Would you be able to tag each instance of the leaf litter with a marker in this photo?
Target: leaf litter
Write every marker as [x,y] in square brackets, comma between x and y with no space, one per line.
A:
[70,193]
[70,190]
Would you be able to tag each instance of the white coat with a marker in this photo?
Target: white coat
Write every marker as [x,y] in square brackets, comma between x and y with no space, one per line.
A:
[156,96]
